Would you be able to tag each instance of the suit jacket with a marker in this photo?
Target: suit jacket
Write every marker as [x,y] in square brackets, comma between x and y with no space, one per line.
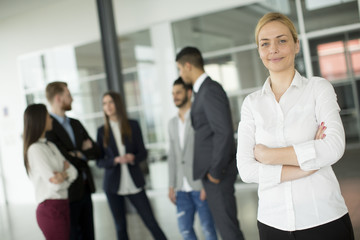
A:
[61,138]
[135,145]
[214,134]
[181,160]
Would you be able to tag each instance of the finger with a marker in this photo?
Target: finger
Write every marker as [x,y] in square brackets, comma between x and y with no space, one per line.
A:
[322,132]
[318,133]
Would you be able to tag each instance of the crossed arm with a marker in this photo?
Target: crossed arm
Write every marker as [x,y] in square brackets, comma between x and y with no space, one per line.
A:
[285,156]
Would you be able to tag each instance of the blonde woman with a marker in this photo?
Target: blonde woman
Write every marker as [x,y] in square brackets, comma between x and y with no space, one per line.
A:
[289,136]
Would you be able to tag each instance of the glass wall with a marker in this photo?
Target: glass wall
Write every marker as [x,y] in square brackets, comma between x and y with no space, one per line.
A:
[324,14]
[226,40]
[337,58]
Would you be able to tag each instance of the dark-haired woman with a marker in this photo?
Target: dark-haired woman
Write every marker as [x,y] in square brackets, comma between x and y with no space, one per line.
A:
[49,172]
[122,149]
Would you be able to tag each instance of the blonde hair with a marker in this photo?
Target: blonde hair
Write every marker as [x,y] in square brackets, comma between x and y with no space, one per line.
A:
[274,16]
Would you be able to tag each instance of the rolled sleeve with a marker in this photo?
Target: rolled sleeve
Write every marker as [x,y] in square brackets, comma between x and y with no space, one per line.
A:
[315,154]
[306,155]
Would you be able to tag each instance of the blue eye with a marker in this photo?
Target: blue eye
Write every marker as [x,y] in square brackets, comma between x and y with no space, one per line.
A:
[264,44]
[283,41]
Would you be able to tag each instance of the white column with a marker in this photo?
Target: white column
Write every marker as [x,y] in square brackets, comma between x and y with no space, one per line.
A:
[164,51]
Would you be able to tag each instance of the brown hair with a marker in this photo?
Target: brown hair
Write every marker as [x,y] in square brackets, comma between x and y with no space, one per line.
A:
[121,116]
[274,16]
[54,88]
[34,126]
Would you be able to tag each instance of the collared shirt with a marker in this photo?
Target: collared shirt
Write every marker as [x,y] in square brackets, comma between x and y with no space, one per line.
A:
[65,122]
[199,81]
[293,121]
[45,159]
[182,125]
[127,185]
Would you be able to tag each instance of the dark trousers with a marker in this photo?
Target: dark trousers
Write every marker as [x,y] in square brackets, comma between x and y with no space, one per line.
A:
[340,229]
[142,205]
[53,219]
[222,203]
[81,218]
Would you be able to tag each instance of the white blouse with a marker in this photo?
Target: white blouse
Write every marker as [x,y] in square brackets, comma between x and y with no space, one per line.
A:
[293,121]
[45,159]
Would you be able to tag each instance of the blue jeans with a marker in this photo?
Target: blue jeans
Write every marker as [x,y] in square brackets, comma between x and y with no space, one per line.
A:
[187,204]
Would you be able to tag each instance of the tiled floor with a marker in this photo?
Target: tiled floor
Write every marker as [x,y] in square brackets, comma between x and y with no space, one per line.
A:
[18,222]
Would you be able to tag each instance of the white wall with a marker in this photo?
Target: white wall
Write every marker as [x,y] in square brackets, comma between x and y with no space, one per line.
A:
[67,22]
[139,14]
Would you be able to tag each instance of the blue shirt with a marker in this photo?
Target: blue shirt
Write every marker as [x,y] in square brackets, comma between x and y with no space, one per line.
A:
[65,122]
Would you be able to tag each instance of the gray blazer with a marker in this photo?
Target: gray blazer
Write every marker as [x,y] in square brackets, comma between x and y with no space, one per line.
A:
[181,161]
[214,134]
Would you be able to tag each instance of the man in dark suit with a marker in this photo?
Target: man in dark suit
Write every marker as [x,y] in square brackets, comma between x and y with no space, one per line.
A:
[76,145]
[214,151]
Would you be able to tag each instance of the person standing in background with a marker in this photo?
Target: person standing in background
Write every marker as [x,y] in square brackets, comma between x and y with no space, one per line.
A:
[49,172]
[76,145]
[188,195]
[214,150]
[121,150]
[289,136]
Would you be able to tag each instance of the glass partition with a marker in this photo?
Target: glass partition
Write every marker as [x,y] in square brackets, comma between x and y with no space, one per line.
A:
[322,14]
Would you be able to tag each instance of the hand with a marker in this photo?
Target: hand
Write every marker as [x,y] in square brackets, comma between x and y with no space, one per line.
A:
[87,144]
[260,153]
[213,180]
[76,154]
[80,155]
[66,165]
[320,132]
[57,178]
[202,195]
[172,195]
[130,158]
[71,153]
[120,159]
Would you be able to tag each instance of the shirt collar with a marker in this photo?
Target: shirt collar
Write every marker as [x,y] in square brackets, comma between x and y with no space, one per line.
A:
[42,140]
[186,116]
[199,81]
[296,82]
[60,119]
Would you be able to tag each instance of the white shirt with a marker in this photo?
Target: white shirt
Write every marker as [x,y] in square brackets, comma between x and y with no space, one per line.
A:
[309,201]
[45,159]
[127,185]
[199,81]
[182,125]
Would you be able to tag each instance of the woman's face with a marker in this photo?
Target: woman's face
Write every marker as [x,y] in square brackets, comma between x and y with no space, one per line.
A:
[277,48]
[109,106]
[48,123]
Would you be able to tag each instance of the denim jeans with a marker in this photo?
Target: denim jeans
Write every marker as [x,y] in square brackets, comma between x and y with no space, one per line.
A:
[187,204]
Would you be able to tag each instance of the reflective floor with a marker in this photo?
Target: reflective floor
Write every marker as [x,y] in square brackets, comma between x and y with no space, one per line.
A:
[18,221]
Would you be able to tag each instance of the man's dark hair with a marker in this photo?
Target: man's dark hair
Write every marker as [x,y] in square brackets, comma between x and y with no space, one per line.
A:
[180,81]
[191,55]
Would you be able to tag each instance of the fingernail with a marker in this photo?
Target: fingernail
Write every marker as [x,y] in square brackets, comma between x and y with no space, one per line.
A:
[322,123]
[324,135]
[324,128]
